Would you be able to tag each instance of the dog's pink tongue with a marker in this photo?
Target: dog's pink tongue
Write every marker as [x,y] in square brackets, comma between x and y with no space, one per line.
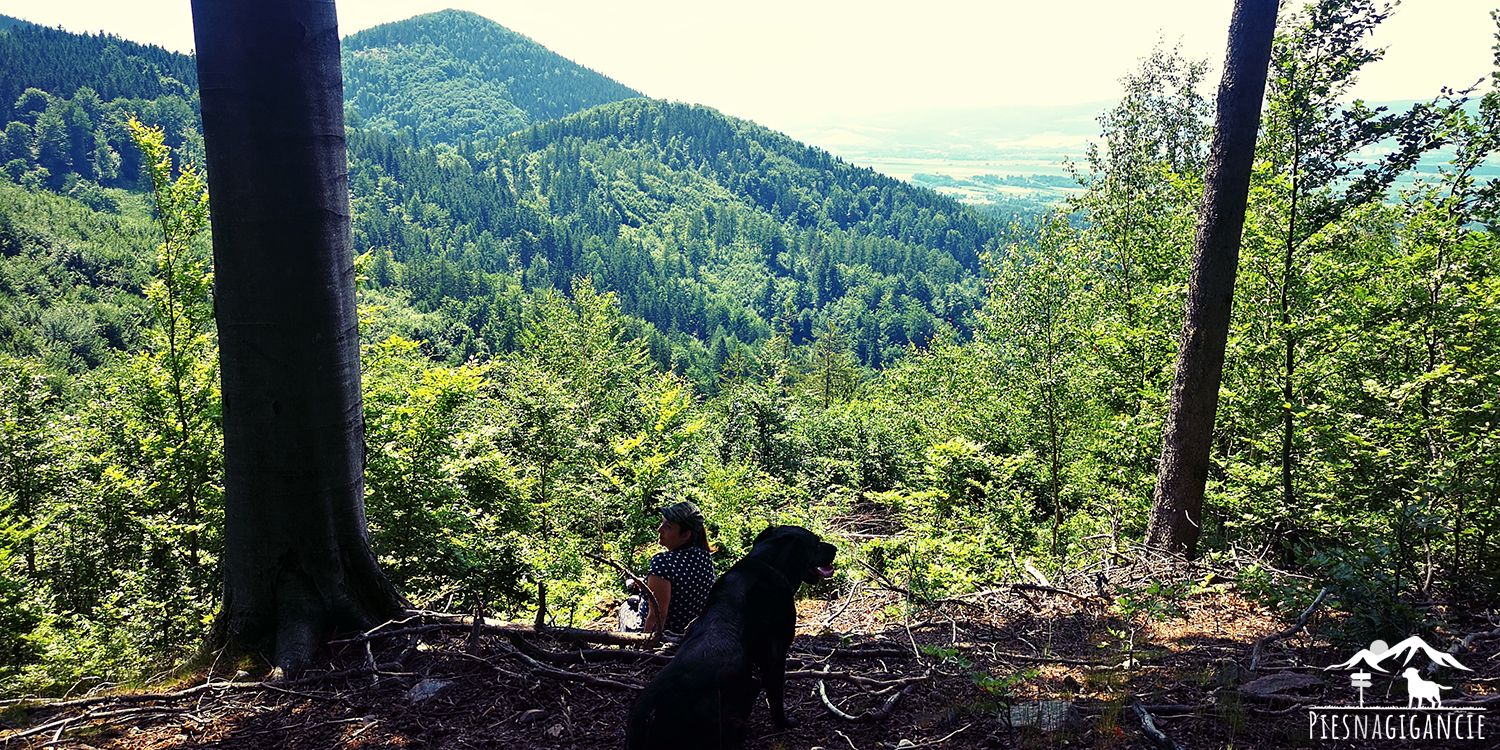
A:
[826,572]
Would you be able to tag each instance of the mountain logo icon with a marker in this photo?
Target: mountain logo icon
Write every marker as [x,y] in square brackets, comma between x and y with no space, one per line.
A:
[1424,717]
[1378,652]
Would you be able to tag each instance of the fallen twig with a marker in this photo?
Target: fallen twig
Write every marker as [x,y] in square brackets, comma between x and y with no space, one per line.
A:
[1462,646]
[867,717]
[1050,659]
[1149,725]
[61,725]
[852,746]
[853,653]
[563,674]
[1165,709]
[466,622]
[1050,590]
[1289,632]
[1488,700]
[889,585]
[939,740]
[196,690]
[585,656]
[976,594]
[853,590]
[850,677]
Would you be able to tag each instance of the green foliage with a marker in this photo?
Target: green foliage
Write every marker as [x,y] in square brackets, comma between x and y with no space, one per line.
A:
[26,480]
[110,493]
[179,370]
[412,73]
[1037,321]
[568,323]
[443,497]
[643,461]
[58,62]
[70,279]
[709,230]
[421,88]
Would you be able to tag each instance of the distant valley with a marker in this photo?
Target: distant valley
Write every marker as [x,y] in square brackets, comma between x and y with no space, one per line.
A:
[486,170]
[1015,154]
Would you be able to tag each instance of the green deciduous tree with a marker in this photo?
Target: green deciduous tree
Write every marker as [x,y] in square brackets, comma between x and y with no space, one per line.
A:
[1309,179]
[298,564]
[1038,322]
[181,367]
[1177,503]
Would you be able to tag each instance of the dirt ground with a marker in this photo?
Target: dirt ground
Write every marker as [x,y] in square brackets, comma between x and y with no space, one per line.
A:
[960,667]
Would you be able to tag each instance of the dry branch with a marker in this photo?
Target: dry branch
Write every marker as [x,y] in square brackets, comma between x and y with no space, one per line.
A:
[586,656]
[1049,659]
[1149,725]
[1038,575]
[1289,632]
[1462,646]
[194,691]
[61,725]
[1050,590]
[563,674]
[853,653]
[864,682]
[871,716]
[661,621]
[500,627]
[1164,709]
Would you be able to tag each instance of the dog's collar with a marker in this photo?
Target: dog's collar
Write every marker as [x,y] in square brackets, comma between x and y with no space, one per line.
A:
[771,568]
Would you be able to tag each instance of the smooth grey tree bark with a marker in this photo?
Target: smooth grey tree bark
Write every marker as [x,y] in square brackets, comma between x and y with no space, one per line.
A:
[1177,503]
[298,564]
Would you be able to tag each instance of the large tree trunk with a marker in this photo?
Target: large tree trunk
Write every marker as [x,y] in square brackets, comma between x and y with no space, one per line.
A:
[298,564]
[1177,507]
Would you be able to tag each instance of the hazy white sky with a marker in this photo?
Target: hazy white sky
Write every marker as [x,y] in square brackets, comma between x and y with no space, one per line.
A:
[779,61]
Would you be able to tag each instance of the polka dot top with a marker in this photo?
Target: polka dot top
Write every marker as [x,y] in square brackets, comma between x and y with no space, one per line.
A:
[691,572]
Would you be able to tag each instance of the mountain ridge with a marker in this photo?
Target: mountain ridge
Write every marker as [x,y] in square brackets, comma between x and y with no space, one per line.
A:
[455,75]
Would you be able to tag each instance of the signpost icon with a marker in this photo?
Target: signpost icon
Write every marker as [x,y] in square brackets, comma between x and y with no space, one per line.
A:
[1360,680]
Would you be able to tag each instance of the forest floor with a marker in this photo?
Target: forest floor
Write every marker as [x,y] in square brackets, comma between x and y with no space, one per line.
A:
[1059,655]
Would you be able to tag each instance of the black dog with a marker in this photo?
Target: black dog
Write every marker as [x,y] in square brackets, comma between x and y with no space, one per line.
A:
[702,699]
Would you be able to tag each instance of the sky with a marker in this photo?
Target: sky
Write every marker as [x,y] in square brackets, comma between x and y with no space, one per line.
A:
[781,62]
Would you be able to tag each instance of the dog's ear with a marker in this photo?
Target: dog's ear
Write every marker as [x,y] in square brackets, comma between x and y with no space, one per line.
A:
[762,536]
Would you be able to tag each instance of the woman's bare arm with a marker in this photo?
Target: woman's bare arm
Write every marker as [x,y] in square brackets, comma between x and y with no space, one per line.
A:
[661,588]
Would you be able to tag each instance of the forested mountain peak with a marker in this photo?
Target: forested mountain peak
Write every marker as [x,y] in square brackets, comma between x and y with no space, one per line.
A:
[795,183]
[714,232]
[455,75]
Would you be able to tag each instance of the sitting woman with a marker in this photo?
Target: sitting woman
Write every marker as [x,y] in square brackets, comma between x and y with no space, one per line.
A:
[680,577]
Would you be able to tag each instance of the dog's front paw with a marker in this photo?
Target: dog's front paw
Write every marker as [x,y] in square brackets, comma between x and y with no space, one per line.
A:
[787,722]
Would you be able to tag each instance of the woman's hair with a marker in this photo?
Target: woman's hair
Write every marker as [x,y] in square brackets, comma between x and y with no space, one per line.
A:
[699,532]
[688,518]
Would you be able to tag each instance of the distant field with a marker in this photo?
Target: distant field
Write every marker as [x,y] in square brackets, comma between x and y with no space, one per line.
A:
[965,179]
[952,150]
